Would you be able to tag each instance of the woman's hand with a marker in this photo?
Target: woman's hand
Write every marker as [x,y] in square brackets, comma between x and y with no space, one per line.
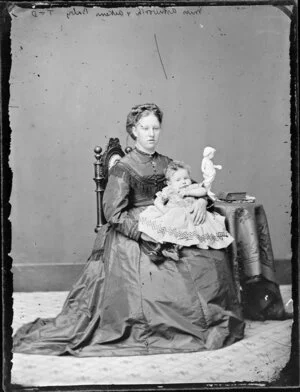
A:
[199,211]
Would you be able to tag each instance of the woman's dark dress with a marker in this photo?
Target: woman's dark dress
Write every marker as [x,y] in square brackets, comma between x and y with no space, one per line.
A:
[123,303]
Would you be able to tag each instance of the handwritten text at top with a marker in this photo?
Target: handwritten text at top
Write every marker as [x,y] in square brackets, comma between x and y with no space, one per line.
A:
[117,12]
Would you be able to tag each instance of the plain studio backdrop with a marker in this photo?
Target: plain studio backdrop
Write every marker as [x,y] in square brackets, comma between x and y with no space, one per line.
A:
[220,74]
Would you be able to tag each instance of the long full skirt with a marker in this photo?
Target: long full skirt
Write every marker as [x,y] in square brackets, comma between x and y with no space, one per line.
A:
[124,304]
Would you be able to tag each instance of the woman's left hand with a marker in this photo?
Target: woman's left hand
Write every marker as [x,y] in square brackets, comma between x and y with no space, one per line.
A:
[199,211]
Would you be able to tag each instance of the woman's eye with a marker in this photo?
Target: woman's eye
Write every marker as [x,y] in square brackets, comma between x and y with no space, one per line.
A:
[155,129]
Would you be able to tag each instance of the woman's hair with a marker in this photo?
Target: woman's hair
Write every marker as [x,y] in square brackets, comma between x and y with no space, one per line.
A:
[174,166]
[139,111]
[208,150]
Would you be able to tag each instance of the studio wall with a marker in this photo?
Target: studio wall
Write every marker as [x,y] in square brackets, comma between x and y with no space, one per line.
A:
[220,74]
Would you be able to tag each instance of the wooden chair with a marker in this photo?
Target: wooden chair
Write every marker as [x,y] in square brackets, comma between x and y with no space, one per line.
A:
[104,162]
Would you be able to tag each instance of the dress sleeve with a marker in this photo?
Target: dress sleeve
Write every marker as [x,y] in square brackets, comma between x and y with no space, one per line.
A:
[116,203]
[210,202]
[195,185]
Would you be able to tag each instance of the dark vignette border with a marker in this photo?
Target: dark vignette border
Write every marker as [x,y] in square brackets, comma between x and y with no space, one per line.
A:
[6,184]
[289,377]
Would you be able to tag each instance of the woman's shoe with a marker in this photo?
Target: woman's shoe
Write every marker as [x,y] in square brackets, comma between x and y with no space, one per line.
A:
[170,252]
[153,251]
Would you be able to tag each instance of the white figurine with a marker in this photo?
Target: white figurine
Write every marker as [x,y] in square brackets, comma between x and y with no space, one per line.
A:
[209,169]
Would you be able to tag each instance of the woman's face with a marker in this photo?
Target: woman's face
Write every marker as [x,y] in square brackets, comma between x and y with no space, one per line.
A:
[147,132]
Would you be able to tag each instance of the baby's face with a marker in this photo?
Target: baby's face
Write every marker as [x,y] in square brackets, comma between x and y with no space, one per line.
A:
[180,179]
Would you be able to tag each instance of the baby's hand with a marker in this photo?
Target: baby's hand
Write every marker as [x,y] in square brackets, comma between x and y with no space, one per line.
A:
[218,167]
[182,192]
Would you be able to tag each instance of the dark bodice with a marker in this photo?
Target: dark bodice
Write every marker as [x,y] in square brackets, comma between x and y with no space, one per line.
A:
[145,175]
[132,185]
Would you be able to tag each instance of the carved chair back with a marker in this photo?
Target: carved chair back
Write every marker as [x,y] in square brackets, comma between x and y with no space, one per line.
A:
[104,162]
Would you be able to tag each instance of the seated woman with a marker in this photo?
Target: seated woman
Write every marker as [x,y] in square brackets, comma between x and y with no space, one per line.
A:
[124,303]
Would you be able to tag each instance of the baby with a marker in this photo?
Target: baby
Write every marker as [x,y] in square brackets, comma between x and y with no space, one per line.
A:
[169,220]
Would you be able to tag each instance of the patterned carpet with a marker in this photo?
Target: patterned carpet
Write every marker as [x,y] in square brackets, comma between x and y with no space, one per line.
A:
[258,358]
